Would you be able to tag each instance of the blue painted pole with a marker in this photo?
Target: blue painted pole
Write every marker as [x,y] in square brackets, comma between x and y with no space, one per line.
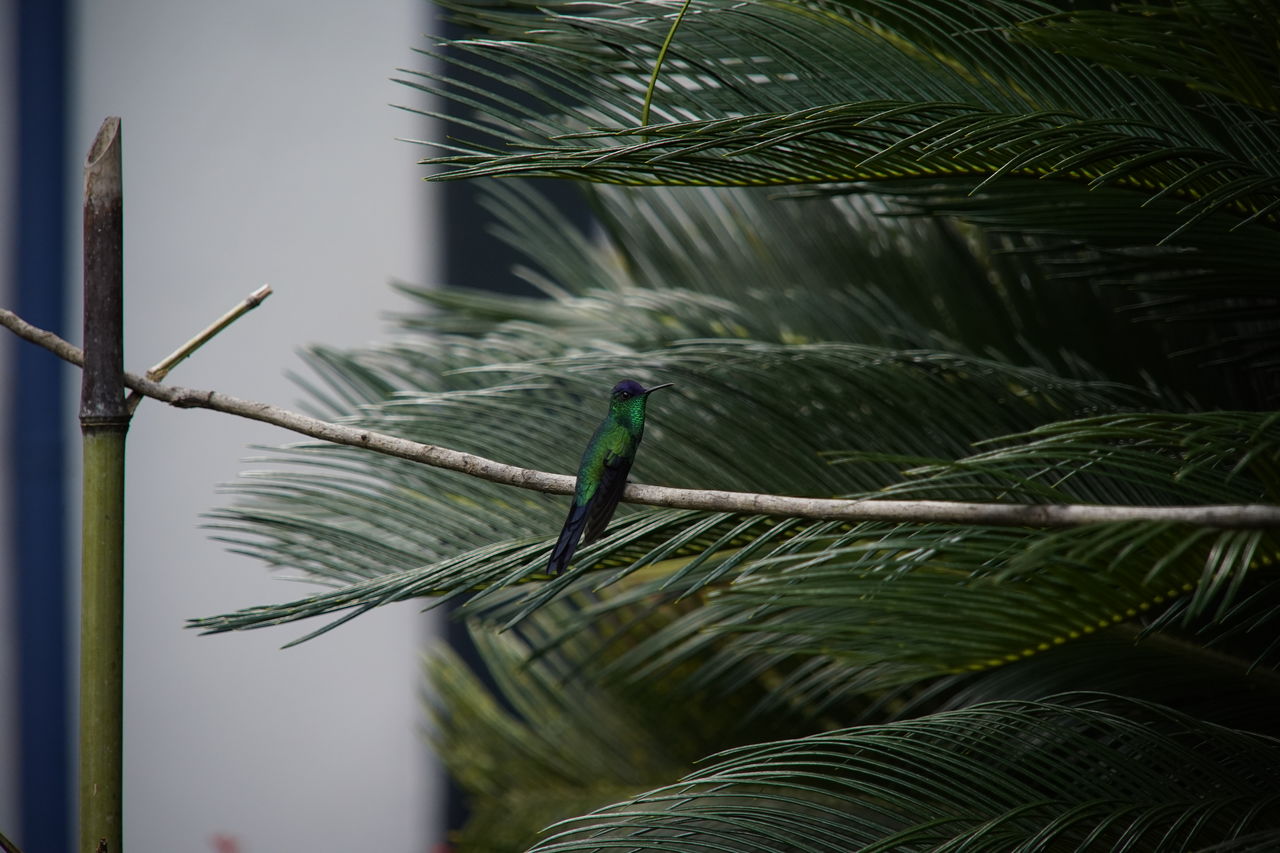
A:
[39,433]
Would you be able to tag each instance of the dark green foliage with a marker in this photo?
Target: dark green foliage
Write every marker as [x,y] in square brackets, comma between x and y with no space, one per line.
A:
[1077,772]
[1006,252]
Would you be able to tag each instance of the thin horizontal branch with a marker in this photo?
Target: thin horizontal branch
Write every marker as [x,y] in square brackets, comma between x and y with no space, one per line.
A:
[1022,515]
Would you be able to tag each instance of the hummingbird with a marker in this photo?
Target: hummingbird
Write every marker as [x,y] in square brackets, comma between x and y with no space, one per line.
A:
[602,473]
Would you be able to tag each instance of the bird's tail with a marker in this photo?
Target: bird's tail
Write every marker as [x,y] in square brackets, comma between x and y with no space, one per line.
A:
[568,541]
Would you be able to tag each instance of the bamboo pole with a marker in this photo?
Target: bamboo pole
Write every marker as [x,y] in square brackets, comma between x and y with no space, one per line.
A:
[104,421]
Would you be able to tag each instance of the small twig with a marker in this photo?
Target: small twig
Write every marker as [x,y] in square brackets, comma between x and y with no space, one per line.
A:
[956,512]
[161,370]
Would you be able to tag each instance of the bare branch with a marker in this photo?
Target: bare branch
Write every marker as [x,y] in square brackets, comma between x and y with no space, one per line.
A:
[1019,515]
[161,370]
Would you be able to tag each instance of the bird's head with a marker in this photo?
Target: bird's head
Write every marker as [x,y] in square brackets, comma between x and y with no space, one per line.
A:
[626,400]
[629,390]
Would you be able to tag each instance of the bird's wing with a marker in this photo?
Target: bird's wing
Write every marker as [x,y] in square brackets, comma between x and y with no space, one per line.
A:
[613,479]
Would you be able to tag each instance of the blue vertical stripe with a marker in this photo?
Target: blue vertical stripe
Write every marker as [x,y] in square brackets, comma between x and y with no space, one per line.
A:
[39,432]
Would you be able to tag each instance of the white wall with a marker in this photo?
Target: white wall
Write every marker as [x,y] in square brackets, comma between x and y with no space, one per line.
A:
[258,147]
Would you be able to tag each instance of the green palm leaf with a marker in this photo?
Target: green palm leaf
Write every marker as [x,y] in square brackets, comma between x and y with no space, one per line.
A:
[1148,458]
[930,314]
[855,92]
[908,599]
[1225,49]
[383,530]
[542,743]
[1081,772]
[927,602]
[887,140]
[1071,126]
[720,385]
[1155,666]
[567,741]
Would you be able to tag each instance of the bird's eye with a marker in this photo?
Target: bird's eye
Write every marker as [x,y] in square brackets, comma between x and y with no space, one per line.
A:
[625,394]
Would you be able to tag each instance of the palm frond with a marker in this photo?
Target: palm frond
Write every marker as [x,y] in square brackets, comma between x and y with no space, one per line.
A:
[893,605]
[563,739]
[542,743]
[1078,772]
[902,602]
[1008,115]
[920,603]
[1153,666]
[680,263]
[1226,49]
[967,182]
[892,140]
[560,750]
[720,386]
[847,92]
[1208,297]
[1150,458]
[862,592]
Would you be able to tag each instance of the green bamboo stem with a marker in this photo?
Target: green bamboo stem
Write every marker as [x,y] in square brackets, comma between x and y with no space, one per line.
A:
[102,640]
[104,421]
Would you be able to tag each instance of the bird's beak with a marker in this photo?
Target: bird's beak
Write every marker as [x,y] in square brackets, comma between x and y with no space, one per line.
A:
[656,387]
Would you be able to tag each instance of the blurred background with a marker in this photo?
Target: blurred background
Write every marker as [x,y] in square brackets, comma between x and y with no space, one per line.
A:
[259,146]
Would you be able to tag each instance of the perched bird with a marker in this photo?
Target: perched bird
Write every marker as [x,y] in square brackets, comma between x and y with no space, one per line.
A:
[602,474]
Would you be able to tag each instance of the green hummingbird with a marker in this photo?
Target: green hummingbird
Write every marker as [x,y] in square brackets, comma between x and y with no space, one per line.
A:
[602,474]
